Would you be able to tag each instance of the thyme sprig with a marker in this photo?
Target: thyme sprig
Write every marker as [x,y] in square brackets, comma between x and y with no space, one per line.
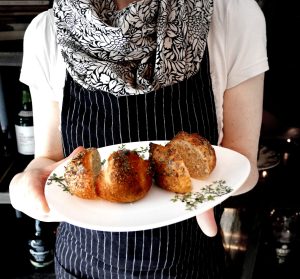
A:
[122,146]
[60,180]
[207,193]
[142,150]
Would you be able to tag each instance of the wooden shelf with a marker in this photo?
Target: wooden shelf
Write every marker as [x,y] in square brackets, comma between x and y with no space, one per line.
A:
[23,3]
[14,19]
[13,59]
[4,198]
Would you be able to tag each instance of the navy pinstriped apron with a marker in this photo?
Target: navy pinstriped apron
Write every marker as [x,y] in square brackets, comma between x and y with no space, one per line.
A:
[96,118]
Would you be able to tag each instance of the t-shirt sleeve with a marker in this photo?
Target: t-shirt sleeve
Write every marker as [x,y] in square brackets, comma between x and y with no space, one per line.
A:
[245,41]
[38,48]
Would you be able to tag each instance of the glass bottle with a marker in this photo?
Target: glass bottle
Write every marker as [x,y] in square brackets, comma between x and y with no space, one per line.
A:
[285,228]
[1,145]
[41,246]
[24,124]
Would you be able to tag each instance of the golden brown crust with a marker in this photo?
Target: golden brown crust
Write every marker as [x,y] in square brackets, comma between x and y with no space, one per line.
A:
[81,173]
[170,172]
[185,156]
[127,178]
[197,153]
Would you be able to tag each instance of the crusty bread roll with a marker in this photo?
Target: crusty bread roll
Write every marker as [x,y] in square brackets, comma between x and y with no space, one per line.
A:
[127,177]
[170,172]
[197,153]
[81,173]
[185,156]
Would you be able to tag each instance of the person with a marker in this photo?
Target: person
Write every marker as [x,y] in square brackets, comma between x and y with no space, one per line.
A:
[115,71]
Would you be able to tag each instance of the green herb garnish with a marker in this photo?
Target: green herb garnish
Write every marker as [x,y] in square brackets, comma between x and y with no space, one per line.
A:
[60,180]
[207,193]
[122,146]
[142,150]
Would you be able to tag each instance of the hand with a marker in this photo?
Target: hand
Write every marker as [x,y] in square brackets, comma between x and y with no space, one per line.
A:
[26,189]
[207,223]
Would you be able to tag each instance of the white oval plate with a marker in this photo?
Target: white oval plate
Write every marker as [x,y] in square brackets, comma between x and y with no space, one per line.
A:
[157,208]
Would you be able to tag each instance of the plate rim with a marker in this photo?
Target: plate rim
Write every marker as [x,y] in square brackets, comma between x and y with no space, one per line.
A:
[62,218]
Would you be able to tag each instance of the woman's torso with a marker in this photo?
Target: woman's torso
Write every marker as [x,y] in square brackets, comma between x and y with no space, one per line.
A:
[98,119]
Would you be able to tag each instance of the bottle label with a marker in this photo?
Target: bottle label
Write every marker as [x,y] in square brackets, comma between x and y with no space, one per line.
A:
[25,139]
[40,254]
[40,265]
[25,113]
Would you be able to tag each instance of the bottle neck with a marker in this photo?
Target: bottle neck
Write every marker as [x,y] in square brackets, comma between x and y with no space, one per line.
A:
[38,228]
[25,114]
[27,106]
[26,100]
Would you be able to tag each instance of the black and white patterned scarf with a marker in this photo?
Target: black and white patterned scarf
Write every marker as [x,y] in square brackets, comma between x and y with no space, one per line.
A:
[148,45]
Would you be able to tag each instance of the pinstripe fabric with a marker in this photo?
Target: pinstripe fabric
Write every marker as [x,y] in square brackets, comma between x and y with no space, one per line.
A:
[98,119]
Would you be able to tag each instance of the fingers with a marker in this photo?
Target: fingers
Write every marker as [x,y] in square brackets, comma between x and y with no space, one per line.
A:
[45,214]
[207,223]
[51,167]
[76,150]
[39,196]
[30,199]
[26,189]
[27,197]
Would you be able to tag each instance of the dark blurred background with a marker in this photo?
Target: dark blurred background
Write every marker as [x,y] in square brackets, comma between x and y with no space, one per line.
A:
[260,228]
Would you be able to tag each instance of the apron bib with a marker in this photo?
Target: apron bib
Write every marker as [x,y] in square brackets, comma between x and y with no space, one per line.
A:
[97,119]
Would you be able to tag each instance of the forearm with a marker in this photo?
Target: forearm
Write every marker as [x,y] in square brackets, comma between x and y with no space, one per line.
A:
[27,188]
[250,152]
[39,162]
[242,123]
[250,182]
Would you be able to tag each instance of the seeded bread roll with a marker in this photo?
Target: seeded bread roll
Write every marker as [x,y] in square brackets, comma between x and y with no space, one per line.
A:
[127,177]
[81,173]
[170,172]
[185,156]
[197,153]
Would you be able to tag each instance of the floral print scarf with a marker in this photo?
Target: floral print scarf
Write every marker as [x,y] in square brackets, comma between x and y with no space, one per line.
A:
[143,47]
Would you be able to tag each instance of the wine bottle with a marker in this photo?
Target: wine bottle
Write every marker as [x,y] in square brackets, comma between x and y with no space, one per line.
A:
[285,225]
[24,124]
[1,146]
[41,246]
[4,127]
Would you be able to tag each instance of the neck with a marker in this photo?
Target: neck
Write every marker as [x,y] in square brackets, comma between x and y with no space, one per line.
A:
[121,4]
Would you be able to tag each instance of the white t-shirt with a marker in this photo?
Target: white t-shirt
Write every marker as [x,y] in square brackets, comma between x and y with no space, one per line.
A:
[236,45]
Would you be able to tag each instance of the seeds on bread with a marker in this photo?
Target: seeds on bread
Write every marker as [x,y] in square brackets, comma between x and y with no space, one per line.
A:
[127,177]
[186,156]
[197,153]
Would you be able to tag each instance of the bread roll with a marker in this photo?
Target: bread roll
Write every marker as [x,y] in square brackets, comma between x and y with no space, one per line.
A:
[127,177]
[170,172]
[185,156]
[197,153]
[81,173]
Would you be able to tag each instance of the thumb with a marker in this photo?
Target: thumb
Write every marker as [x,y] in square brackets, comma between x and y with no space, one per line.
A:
[207,223]
[46,174]
[56,164]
